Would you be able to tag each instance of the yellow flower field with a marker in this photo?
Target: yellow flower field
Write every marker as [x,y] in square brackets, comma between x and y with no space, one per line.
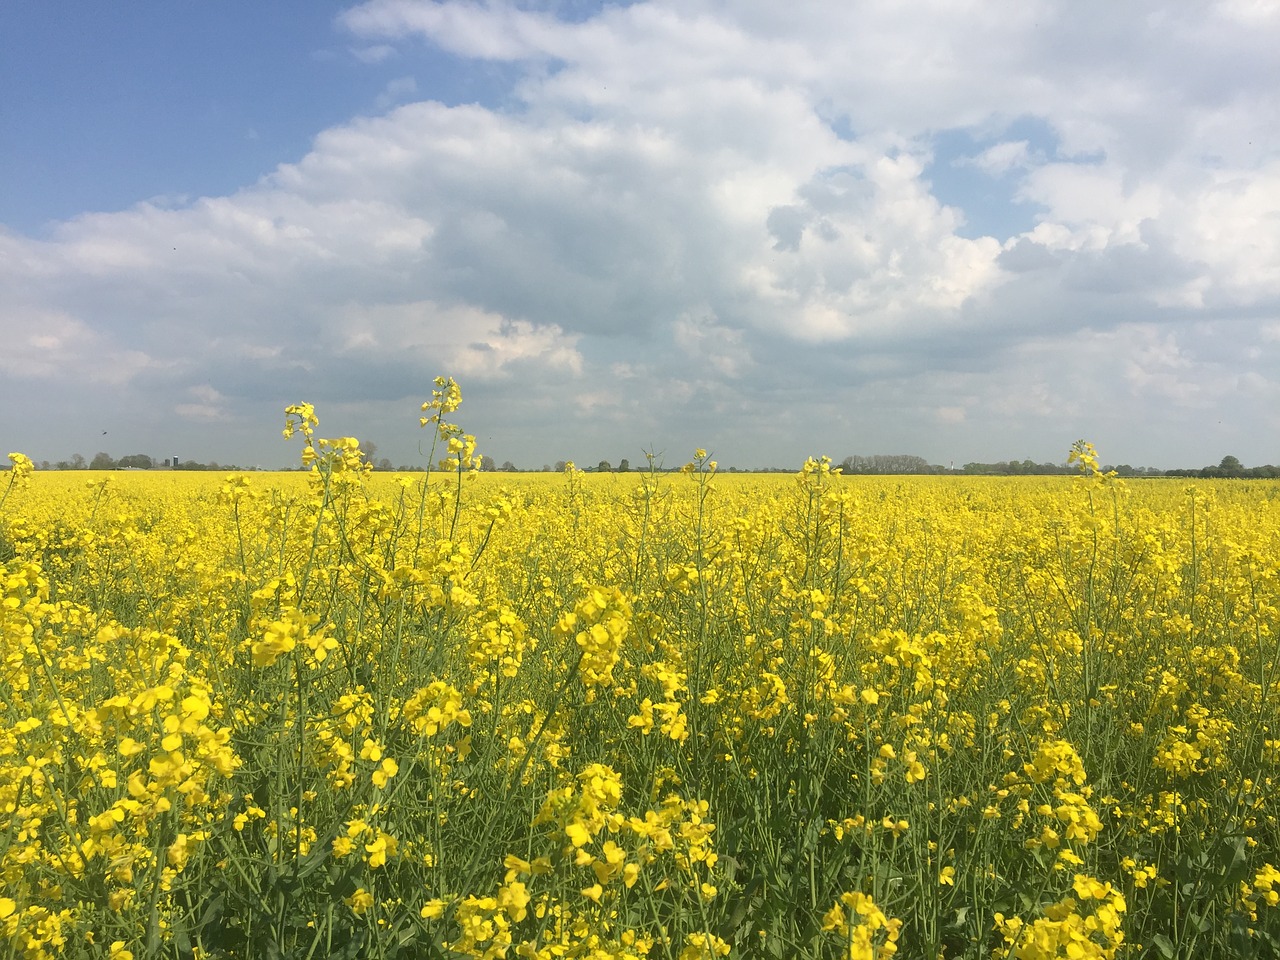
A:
[668,715]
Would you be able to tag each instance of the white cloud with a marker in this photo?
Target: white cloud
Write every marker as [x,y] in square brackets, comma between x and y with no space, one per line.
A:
[867,250]
[206,405]
[51,345]
[707,342]
[1007,155]
[497,32]
[374,53]
[396,91]
[1158,367]
[1233,226]
[1093,201]
[475,343]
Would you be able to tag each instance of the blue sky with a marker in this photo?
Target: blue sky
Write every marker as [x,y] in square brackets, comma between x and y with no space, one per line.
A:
[112,104]
[963,232]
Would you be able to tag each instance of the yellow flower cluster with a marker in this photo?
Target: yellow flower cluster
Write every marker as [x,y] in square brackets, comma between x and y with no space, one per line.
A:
[1087,925]
[598,624]
[867,932]
[684,714]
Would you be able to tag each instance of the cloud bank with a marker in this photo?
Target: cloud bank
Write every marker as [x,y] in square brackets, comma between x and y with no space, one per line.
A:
[739,226]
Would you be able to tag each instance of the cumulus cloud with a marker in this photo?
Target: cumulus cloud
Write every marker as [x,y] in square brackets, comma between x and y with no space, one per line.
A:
[685,219]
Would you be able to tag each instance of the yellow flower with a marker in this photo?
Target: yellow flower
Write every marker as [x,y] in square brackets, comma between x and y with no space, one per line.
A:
[282,636]
[703,946]
[868,933]
[514,898]
[383,846]
[386,770]
[643,721]
[896,827]
[577,833]
[1089,888]
[19,474]
[360,901]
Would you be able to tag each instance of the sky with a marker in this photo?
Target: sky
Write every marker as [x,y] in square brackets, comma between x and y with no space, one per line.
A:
[960,229]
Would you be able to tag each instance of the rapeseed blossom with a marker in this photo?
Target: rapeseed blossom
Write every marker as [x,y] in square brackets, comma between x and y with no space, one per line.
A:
[665,715]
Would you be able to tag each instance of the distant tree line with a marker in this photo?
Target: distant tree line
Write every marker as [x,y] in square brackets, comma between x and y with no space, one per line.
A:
[854,465]
[888,463]
[1229,467]
[1015,468]
[134,461]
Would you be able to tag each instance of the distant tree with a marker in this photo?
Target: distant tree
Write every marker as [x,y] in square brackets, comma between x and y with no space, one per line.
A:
[604,467]
[546,468]
[135,461]
[77,462]
[369,449]
[102,461]
[383,464]
[560,465]
[508,467]
[1231,467]
[624,466]
[886,463]
[486,464]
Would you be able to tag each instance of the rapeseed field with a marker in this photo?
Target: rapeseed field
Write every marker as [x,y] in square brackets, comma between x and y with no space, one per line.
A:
[666,715]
